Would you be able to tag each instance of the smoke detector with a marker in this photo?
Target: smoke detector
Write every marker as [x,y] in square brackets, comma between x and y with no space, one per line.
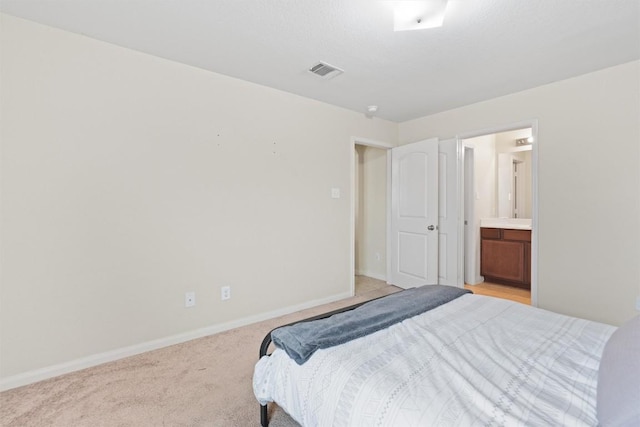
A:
[325,71]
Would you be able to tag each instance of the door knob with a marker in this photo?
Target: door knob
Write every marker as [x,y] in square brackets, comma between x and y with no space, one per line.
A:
[431,228]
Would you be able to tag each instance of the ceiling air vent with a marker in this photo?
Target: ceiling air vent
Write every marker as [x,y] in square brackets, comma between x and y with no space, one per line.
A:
[324,70]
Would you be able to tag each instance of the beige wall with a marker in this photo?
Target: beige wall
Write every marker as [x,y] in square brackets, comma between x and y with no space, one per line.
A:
[128,180]
[589,184]
[371,212]
[485,175]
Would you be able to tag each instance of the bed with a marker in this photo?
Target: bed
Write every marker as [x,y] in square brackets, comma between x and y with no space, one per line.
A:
[473,360]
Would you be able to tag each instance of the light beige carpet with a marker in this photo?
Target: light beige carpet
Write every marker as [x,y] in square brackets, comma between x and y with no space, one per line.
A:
[204,382]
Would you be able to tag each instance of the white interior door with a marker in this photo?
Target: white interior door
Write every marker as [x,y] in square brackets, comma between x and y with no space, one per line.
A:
[414,214]
[448,213]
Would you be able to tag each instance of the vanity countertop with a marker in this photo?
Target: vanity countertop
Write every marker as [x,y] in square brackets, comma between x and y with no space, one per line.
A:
[510,223]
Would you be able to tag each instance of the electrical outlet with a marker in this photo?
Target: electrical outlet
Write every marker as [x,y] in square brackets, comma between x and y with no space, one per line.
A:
[189,299]
[225,293]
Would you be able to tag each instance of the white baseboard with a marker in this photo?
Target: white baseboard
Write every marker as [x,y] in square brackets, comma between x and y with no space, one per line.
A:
[36,375]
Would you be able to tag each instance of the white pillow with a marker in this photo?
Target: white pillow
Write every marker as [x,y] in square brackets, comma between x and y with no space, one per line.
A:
[618,399]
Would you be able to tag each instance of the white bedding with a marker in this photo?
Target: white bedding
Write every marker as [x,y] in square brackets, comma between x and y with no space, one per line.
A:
[474,361]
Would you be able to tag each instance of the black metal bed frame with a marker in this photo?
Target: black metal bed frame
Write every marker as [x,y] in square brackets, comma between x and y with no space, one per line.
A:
[266,342]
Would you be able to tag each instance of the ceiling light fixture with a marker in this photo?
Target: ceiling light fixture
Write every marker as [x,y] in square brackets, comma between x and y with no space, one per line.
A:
[418,14]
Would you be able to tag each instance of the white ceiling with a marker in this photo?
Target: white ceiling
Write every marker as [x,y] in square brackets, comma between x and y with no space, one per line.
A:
[486,48]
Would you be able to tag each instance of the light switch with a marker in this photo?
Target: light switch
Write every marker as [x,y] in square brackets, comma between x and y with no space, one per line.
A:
[335,193]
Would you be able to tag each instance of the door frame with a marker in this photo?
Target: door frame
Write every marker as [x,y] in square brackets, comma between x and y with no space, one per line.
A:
[533,124]
[470,263]
[355,140]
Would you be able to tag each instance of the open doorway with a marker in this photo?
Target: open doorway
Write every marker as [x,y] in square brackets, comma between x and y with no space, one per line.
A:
[499,192]
[370,220]
[369,206]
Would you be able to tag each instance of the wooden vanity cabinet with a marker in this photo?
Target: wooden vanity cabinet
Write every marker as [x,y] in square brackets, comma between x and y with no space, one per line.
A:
[506,256]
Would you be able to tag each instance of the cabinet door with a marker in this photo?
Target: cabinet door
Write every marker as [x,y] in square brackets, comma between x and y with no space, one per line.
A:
[503,260]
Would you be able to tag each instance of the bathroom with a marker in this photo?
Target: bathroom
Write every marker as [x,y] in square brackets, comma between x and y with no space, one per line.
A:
[498,209]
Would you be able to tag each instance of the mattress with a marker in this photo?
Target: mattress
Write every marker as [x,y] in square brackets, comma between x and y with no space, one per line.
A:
[473,361]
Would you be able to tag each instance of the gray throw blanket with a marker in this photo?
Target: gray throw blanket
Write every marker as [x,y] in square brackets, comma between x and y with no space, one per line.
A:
[301,340]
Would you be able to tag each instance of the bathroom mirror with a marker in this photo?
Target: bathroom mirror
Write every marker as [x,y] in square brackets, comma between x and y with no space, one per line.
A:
[514,183]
